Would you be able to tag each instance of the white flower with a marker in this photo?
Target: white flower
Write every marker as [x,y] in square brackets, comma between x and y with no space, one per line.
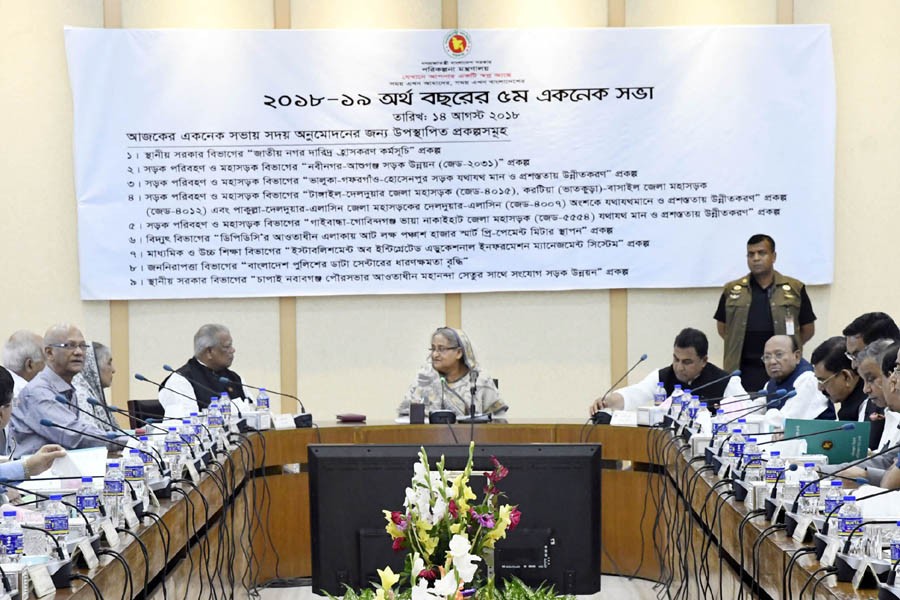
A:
[447,585]
[422,592]
[463,562]
[419,472]
[439,510]
[418,565]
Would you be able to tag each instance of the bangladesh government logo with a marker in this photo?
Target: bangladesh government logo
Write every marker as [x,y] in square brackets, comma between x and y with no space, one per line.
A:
[457,44]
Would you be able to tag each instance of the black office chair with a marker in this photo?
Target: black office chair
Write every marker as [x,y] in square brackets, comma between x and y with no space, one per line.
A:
[143,410]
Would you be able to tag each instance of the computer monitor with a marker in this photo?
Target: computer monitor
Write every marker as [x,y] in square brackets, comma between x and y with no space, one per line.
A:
[556,486]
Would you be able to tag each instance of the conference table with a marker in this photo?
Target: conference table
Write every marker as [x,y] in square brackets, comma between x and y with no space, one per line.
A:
[639,484]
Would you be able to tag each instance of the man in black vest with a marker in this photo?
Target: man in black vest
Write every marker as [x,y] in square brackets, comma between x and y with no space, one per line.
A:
[690,369]
[192,386]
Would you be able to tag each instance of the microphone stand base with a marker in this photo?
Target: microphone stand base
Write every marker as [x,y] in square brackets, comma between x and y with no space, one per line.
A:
[475,419]
[303,420]
[63,574]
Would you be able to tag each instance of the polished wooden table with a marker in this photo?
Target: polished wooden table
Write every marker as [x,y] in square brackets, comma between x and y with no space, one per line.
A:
[663,517]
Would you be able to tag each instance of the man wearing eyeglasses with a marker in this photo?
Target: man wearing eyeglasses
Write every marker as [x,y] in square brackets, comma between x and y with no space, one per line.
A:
[64,348]
[788,370]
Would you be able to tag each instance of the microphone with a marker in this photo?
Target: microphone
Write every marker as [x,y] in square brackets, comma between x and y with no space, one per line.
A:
[844,427]
[844,468]
[749,396]
[473,377]
[791,467]
[769,404]
[253,387]
[304,419]
[594,417]
[735,373]
[109,439]
[846,548]
[790,394]
[6,483]
[472,418]
[860,481]
[140,377]
[116,409]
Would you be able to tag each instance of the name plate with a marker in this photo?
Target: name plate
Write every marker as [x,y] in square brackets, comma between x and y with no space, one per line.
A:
[109,531]
[131,518]
[41,581]
[830,553]
[803,523]
[87,551]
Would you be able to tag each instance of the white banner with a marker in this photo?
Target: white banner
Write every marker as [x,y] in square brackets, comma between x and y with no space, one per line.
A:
[278,163]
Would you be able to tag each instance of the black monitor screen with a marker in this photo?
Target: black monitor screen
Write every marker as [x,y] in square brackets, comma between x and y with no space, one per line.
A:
[556,487]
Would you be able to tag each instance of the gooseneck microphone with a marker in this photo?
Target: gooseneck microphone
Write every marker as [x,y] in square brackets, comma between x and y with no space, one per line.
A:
[116,409]
[473,377]
[109,439]
[140,377]
[618,381]
[844,427]
[206,387]
[253,387]
[747,396]
[6,483]
[735,373]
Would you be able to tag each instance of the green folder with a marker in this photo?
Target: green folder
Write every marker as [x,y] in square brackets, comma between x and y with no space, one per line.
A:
[838,446]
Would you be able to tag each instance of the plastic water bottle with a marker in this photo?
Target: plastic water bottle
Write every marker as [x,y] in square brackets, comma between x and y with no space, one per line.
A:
[834,496]
[198,427]
[225,407]
[849,517]
[753,466]
[659,396]
[809,489]
[188,440]
[774,468]
[11,537]
[895,547]
[136,474]
[693,407]
[114,493]
[172,451]
[735,447]
[214,420]
[87,499]
[56,519]
[262,399]
[685,399]
[151,469]
[676,398]
[719,428]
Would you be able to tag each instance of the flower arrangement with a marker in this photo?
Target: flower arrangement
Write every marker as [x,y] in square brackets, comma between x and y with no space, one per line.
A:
[444,532]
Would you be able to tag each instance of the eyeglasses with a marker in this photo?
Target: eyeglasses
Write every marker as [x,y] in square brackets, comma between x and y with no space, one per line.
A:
[779,356]
[826,380]
[895,371]
[441,349]
[70,346]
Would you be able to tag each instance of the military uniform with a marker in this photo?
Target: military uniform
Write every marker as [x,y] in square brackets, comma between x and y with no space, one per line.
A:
[753,314]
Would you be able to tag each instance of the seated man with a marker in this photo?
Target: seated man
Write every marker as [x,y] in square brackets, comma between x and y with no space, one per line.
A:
[888,392]
[64,357]
[788,370]
[23,356]
[18,470]
[865,329]
[689,367]
[870,361]
[192,385]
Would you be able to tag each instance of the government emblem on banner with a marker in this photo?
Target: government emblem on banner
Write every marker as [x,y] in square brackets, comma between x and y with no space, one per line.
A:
[456,44]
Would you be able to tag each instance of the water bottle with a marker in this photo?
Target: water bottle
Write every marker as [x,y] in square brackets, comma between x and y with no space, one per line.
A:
[834,496]
[693,407]
[849,517]
[676,398]
[685,400]
[735,448]
[11,538]
[214,420]
[198,427]
[659,396]
[225,407]
[719,428]
[151,469]
[895,548]
[87,499]
[172,451]
[809,489]
[188,440]
[56,519]
[753,465]
[114,493]
[262,400]
[136,474]
[774,468]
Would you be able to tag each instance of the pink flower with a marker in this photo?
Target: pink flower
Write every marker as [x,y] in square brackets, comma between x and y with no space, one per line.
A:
[514,518]
[486,520]
[453,509]
[398,544]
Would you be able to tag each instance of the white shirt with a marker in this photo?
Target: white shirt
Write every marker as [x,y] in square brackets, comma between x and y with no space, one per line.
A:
[177,406]
[641,393]
[19,383]
[809,402]
[890,435]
